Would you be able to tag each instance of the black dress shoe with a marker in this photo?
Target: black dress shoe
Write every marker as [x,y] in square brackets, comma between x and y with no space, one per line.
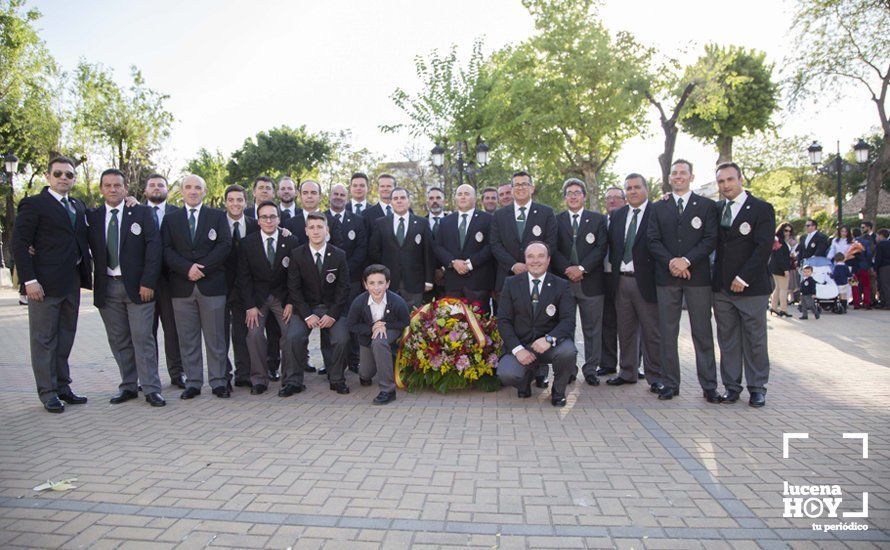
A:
[353,368]
[572,379]
[384,397]
[340,387]
[155,400]
[179,382]
[364,382]
[222,391]
[258,389]
[711,396]
[541,382]
[592,380]
[618,381]
[525,391]
[123,396]
[656,387]
[731,396]
[758,399]
[72,398]
[602,371]
[273,375]
[668,393]
[242,383]
[558,400]
[308,368]
[640,375]
[54,405]
[189,393]
[322,371]
[290,389]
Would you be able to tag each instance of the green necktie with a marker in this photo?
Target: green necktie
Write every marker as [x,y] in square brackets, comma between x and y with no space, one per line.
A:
[574,258]
[193,223]
[71,215]
[318,263]
[236,232]
[111,241]
[726,222]
[680,205]
[462,230]
[630,238]
[270,251]
[358,208]
[388,210]
[157,218]
[536,295]
[435,226]
[520,222]
[400,231]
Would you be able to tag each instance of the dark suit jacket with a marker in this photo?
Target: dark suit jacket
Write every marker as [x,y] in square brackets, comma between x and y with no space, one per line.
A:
[508,248]
[744,249]
[411,263]
[250,211]
[477,249]
[250,226]
[882,255]
[140,251]
[164,278]
[42,222]
[819,245]
[213,241]
[780,260]
[644,262]
[672,236]
[297,225]
[352,237]
[308,289]
[518,326]
[359,321]
[372,213]
[591,226]
[257,280]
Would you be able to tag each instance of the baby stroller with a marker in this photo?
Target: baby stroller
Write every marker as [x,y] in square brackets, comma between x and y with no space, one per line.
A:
[826,289]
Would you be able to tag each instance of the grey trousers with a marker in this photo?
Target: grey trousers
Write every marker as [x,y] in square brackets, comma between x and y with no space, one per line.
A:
[52,324]
[165,317]
[413,299]
[637,328]
[609,354]
[236,333]
[884,283]
[130,336]
[807,303]
[591,310]
[698,306]
[334,346]
[200,315]
[258,346]
[741,335]
[379,359]
[563,357]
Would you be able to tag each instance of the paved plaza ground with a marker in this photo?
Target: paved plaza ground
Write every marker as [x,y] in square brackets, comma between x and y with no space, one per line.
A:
[615,468]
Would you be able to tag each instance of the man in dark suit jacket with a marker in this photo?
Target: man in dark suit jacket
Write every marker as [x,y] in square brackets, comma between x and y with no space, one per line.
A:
[682,234]
[813,246]
[52,257]
[385,186]
[463,246]
[197,241]
[516,225]
[358,194]
[536,319]
[263,190]
[882,265]
[633,274]
[403,243]
[236,323]
[614,198]
[126,248]
[377,318]
[582,241]
[742,285]
[318,284]
[263,262]
[435,213]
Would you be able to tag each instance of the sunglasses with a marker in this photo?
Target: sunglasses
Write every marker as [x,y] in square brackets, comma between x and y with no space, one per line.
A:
[68,174]
[787,231]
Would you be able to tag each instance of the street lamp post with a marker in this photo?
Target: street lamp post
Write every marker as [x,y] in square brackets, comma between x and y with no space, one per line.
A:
[10,165]
[462,167]
[837,167]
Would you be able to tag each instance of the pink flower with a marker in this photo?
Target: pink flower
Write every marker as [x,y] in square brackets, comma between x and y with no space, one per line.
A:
[463,363]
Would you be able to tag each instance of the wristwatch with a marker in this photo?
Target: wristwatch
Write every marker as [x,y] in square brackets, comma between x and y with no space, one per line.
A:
[550,340]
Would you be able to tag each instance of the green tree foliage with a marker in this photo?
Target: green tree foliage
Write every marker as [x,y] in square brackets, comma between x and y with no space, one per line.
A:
[126,126]
[737,96]
[282,151]
[211,167]
[345,160]
[839,44]
[565,100]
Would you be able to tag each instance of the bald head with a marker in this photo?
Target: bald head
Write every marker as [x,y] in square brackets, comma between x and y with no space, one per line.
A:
[193,189]
[465,197]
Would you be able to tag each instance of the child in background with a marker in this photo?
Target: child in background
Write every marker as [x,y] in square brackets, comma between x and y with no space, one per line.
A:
[808,293]
[841,274]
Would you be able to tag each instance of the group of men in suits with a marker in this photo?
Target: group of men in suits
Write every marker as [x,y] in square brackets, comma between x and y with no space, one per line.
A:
[268,274]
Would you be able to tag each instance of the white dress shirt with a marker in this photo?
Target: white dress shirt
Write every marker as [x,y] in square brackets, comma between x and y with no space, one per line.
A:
[161,211]
[290,209]
[531,287]
[629,266]
[266,236]
[517,206]
[736,207]
[685,196]
[116,272]
[188,213]
[364,205]
[378,309]
[460,216]
[241,225]
[432,220]
[395,222]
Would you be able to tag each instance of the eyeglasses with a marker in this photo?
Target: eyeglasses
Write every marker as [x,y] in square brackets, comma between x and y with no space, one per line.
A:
[574,193]
[522,184]
[68,174]
[269,218]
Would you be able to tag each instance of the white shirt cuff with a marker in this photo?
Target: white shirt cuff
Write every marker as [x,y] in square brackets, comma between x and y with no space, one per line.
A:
[470,264]
[30,282]
[517,349]
[742,281]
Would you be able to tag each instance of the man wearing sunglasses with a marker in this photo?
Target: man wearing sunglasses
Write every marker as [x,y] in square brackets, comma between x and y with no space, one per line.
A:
[812,248]
[51,249]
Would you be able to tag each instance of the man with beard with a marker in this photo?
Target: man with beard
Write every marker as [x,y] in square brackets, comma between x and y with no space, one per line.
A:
[435,204]
[489,200]
[287,192]
[609,359]
[263,190]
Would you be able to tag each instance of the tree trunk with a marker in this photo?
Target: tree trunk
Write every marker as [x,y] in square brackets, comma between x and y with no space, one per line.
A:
[7,228]
[593,188]
[667,157]
[876,174]
[724,146]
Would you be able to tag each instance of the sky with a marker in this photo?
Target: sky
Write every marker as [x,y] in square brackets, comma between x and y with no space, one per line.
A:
[234,68]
